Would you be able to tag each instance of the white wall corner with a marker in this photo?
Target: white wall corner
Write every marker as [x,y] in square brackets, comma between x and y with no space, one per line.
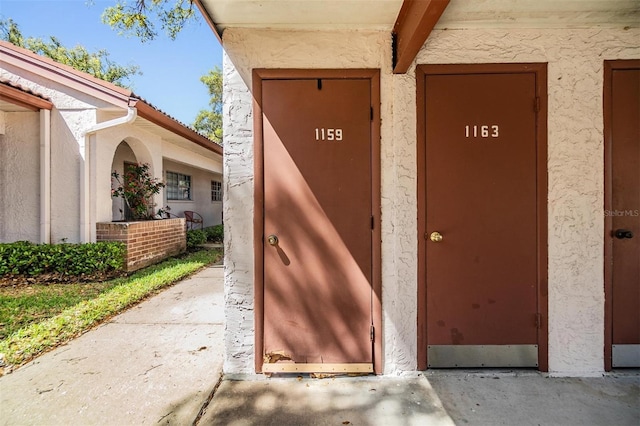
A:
[3,122]
[238,213]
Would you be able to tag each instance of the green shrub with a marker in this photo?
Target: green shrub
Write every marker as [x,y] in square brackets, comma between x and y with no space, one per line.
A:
[64,260]
[215,234]
[196,237]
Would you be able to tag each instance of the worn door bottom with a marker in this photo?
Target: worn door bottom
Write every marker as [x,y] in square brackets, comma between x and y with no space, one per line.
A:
[292,367]
[625,355]
[454,356]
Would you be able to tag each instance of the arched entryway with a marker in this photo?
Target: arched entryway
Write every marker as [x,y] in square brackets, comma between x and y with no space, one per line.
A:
[128,152]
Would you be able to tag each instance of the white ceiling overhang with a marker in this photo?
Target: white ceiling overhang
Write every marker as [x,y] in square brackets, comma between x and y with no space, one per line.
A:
[385,15]
[304,14]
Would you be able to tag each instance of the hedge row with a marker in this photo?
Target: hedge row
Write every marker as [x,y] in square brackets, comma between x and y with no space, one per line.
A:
[65,260]
[196,237]
[212,234]
[215,234]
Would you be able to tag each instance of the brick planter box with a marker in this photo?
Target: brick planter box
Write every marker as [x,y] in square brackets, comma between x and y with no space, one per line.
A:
[147,241]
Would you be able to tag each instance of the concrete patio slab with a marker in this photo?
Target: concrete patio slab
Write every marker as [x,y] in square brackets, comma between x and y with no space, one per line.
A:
[435,398]
[330,401]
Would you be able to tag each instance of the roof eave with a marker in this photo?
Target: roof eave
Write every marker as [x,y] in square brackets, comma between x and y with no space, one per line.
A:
[157,117]
[23,99]
[64,74]
[207,17]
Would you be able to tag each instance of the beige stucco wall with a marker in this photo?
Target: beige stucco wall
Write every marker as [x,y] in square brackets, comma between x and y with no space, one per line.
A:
[211,211]
[575,163]
[20,191]
[575,169]
[72,113]
[276,49]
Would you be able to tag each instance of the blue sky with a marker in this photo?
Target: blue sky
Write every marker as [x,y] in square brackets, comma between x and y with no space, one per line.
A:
[171,69]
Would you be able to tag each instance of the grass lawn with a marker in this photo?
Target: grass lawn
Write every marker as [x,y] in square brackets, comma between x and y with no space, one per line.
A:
[35,318]
[26,304]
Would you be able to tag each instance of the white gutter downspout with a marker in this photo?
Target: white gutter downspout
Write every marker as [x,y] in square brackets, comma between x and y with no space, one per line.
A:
[87,220]
[45,176]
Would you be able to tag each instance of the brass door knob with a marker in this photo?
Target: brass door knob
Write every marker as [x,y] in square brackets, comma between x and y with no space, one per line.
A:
[273,240]
[436,237]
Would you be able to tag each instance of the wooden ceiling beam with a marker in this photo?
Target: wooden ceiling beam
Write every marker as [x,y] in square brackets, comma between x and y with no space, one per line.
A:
[412,28]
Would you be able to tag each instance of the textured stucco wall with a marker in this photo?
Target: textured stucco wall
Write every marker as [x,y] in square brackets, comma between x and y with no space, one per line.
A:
[281,49]
[575,163]
[575,168]
[20,177]
[238,223]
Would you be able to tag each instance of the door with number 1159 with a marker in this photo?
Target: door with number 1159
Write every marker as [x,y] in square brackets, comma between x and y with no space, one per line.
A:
[317,225]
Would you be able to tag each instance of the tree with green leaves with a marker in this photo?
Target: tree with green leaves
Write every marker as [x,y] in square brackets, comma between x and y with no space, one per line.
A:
[97,63]
[139,17]
[209,121]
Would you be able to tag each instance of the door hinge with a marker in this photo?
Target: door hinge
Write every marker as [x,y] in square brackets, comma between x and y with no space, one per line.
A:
[372,333]
[538,320]
[373,222]
[371,113]
[537,104]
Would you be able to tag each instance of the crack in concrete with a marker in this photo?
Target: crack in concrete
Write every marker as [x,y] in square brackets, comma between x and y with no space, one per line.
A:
[206,403]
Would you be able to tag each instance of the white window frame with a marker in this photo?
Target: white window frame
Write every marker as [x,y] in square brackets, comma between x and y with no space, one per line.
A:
[179,187]
[216,193]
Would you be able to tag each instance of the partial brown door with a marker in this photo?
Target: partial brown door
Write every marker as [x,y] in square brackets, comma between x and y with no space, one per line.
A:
[481,219]
[317,225]
[623,213]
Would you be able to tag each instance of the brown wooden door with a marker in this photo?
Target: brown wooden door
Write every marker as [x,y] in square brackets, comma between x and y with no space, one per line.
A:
[317,225]
[623,214]
[481,197]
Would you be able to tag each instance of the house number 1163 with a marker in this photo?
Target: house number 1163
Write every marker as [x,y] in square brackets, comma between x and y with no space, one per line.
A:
[481,131]
[323,134]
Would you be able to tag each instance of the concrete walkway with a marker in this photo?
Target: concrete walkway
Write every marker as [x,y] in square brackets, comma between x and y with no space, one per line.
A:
[155,364]
[161,361]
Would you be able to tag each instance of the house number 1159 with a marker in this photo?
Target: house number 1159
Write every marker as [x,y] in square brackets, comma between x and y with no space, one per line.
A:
[481,131]
[323,134]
